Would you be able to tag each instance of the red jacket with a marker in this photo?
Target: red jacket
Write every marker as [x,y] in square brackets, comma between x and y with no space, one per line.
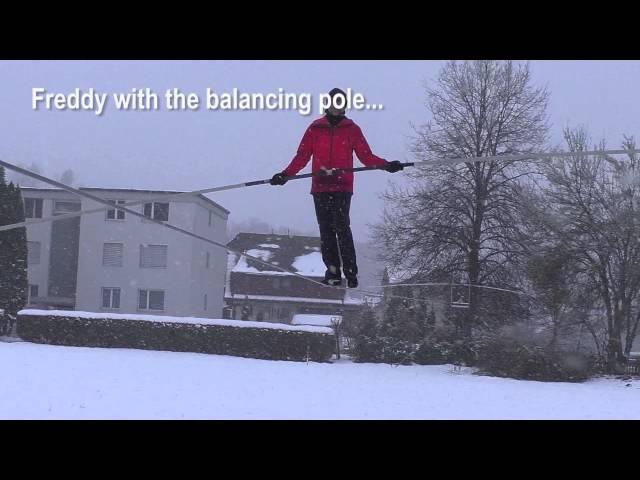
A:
[332,147]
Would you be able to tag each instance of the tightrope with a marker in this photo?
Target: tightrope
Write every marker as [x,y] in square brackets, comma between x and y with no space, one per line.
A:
[125,207]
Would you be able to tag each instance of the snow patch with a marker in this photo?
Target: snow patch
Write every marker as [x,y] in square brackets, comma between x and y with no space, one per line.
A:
[264,255]
[243,266]
[310,265]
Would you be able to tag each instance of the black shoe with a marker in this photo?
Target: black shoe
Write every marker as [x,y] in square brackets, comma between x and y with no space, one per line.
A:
[333,282]
[352,282]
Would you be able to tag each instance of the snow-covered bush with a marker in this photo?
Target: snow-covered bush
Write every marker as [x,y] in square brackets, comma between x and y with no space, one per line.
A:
[396,351]
[434,352]
[366,345]
[510,358]
[444,346]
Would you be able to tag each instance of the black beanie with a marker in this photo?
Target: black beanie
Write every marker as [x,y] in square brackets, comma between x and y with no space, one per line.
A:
[337,91]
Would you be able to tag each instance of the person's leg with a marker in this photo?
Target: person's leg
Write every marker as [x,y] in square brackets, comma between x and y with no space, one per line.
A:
[342,225]
[328,243]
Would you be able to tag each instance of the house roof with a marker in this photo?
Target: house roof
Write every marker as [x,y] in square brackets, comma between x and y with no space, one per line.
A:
[158,192]
[128,190]
[300,254]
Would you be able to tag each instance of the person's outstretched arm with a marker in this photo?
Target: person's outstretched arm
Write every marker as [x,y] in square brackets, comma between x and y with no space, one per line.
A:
[302,157]
[363,151]
[366,156]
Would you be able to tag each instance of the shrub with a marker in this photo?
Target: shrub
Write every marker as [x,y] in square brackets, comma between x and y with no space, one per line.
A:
[510,358]
[67,328]
[396,351]
[434,352]
[366,349]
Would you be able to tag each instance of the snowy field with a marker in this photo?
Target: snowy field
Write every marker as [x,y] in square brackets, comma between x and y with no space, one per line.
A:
[50,382]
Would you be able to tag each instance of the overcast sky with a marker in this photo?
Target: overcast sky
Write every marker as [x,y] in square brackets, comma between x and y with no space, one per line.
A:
[192,150]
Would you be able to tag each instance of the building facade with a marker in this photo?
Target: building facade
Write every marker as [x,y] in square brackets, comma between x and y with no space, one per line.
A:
[116,262]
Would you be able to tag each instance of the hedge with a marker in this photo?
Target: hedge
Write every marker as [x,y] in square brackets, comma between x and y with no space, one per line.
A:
[241,340]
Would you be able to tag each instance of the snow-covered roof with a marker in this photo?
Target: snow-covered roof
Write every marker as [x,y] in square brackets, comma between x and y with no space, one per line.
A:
[300,254]
[317,320]
[130,190]
[167,319]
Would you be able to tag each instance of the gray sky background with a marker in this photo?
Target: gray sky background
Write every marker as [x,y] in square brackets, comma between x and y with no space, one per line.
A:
[192,150]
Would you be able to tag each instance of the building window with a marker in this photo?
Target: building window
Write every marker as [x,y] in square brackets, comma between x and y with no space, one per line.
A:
[281,282]
[151,300]
[114,214]
[33,253]
[60,208]
[208,259]
[111,298]
[153,256]
[205,302]
[33,292]
[112,254]
[260,317]
[157,211]
[283,313]
[33,208]
[210,217]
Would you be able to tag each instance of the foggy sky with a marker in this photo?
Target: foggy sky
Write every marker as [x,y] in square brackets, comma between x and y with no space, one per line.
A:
[193,150]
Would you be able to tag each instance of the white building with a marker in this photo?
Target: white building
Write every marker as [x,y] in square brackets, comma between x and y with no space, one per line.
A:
[115,262]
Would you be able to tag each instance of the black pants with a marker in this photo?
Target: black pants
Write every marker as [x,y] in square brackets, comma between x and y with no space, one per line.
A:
[332,212]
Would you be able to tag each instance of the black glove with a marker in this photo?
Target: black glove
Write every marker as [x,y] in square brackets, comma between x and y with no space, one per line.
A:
[278,179]
[394,166]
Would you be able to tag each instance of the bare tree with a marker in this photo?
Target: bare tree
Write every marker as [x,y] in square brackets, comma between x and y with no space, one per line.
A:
[465,220]
[594,211]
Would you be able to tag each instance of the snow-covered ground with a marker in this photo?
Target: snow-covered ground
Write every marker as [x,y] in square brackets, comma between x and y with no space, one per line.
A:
[50,382]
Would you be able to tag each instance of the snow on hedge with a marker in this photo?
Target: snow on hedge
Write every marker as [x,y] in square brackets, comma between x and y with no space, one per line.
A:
[166,319]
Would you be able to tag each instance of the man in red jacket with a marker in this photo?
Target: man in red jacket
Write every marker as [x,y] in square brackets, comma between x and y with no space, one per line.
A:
[331,140]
